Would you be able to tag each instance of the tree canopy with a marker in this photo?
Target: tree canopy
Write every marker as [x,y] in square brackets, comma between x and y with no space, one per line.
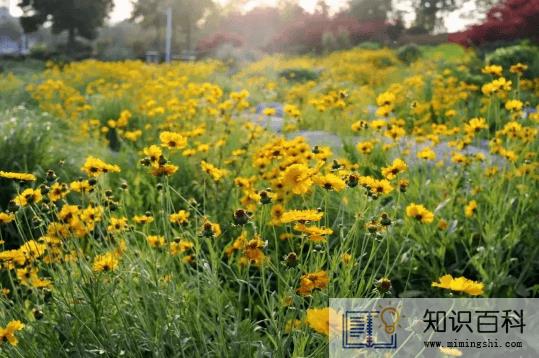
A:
[185,14]
[77,17]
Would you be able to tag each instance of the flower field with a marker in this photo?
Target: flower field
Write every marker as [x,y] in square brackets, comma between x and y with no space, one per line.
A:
[196,209]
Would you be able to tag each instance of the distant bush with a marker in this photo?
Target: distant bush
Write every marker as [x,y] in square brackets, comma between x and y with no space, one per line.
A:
[41,52]
[409,53]
[233,57]
[307,33]
[335,41]
[299,74]
[507,56]
[215,41]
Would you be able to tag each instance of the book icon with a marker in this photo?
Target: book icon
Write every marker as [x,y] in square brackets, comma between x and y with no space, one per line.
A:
[366,329]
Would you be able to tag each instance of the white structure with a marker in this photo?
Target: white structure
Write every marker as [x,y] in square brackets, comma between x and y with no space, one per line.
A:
[4,5]
[10,45]
[4,10]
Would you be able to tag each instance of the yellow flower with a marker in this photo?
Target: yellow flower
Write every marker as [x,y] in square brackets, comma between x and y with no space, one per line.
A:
[365,147]
[81,186]
[172,140]
[378,124]
[459,158]
[427,154]
[395,132]
[153,153]
[475,125]
[106,262]
[312,281]
[518,68]
[346,258]
[460,284]
[297,178]
[180,218]
[124,118]
[179,247]
[314,233]
[29,277]
[156,241]
[28,196]
[359,125]
[268,111]
[443,224]
[495,70]
[58,191]
[398,166]
[376,187]
[216,173]
[382,186]
[384,111]
[8,333]
[323,320]
[450,113]
[277,212]
[300,215]
[330,182]
[165,169]
[470,209]
[210,229]
[117,225]
[514,105]
[143,219]
[253,251]
[385,99]
[94,167]
[17,176]
[133,136]
[420,213]
[6,217]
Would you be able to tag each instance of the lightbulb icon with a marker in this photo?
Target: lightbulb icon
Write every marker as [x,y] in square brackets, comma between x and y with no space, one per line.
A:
[390,318]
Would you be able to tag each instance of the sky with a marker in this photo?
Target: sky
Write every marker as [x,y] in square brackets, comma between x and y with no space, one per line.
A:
[122,10]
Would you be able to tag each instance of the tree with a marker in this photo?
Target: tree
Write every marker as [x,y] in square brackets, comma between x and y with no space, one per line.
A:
[185,13]
[428,12]
[367,10]
[483,6]
[77,17]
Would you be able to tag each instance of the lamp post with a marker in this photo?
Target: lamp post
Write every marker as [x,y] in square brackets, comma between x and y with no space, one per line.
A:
[168,36]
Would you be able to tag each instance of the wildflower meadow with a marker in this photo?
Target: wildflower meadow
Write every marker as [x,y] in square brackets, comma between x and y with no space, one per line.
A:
[192,210]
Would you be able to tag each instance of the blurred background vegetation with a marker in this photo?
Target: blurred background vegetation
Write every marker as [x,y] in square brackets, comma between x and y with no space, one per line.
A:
[237,30]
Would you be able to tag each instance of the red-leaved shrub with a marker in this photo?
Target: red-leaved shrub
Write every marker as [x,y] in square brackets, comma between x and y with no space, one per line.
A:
[510,20]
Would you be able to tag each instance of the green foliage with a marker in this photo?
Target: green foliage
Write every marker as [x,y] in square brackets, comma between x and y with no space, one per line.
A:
[369,45]
[335,41]
[511,55]
[409,53]
[445,52]
[299,74]
[34,142]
